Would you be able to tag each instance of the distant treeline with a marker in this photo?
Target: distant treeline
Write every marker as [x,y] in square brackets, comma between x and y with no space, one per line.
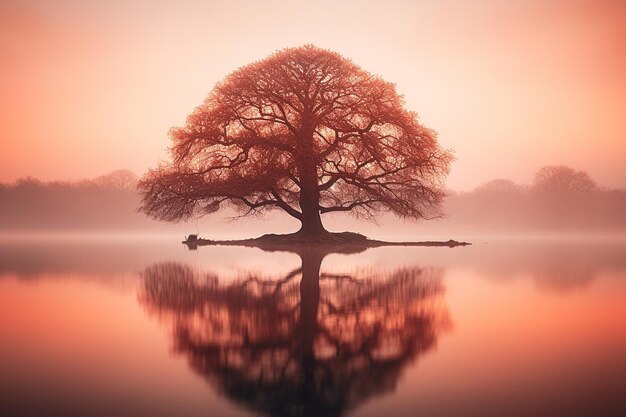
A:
[560,199]
[106,202]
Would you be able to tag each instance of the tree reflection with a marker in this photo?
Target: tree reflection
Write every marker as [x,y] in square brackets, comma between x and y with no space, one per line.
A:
[304,344]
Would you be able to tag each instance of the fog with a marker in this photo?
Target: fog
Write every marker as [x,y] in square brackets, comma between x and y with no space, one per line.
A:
[560,200]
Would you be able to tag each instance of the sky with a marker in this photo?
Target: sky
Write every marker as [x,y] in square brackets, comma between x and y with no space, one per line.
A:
[87,87]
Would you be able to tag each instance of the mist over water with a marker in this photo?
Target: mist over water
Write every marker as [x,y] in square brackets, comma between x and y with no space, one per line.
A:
[143,326]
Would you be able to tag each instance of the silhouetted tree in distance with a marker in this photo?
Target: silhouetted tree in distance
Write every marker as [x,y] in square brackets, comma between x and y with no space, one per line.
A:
[120,179]
[319,346]
[499,186]
[305,131]
[561,179]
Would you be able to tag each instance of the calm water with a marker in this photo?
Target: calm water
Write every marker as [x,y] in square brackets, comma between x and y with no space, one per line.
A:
[142,328]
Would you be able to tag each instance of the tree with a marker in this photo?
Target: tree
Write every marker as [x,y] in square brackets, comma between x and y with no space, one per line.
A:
[499,186]
[120,179]
[319,346]
[305,131]
[561,179]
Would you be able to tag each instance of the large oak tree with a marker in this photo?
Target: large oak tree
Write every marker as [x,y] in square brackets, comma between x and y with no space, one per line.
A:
[305,131]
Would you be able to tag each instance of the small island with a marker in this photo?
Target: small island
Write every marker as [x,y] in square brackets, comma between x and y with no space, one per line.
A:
[344,242]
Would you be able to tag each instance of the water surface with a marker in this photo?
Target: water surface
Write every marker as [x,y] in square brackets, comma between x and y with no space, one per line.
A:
[134,327]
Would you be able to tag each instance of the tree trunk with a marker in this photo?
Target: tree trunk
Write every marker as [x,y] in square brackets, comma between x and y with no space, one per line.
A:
[311,221]
[309,188]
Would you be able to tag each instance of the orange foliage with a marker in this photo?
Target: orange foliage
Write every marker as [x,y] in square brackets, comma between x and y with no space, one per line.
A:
[305,131]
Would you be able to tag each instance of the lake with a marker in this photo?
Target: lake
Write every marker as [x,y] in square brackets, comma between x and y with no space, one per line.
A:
[146,327]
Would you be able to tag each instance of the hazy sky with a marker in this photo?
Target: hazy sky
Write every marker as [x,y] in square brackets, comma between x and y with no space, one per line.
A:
[88,87]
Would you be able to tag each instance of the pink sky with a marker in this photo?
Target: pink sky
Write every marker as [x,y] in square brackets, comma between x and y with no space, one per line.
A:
[88,87]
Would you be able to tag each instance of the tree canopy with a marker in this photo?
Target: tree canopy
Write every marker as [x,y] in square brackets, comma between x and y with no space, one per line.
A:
[305,131]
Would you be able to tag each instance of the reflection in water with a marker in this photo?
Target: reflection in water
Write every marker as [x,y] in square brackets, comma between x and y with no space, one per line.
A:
[258,341]
[558,266]
[302,344]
